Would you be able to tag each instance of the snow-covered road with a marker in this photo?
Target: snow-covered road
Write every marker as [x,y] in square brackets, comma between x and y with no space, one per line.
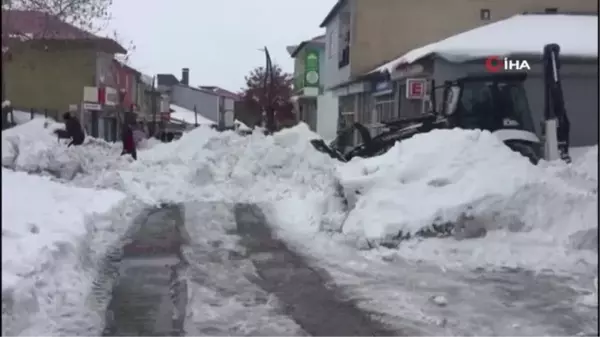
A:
[520,259]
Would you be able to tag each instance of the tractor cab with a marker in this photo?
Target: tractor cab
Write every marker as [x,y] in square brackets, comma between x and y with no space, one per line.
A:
[488,102]
[496,103]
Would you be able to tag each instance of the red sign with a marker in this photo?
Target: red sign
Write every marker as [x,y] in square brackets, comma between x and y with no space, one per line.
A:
[415,88]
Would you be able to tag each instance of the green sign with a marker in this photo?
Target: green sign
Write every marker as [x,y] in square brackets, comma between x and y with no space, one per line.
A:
[311,68]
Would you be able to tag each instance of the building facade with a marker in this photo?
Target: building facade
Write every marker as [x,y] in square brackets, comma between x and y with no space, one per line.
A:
[211,104]
[313,105]
[56,64]
[363,34]
[579,67]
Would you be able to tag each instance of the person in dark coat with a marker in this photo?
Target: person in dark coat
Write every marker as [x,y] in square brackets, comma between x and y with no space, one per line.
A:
[128,141]
[73,130]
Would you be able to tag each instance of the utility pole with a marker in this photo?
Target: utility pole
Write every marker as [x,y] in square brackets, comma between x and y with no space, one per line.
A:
[153,105]
[268,90]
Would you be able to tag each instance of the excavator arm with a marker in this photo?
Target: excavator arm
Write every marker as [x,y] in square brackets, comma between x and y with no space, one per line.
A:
[556,124]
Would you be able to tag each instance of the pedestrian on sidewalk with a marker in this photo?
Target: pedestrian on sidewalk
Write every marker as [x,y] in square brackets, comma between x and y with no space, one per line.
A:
[128,141]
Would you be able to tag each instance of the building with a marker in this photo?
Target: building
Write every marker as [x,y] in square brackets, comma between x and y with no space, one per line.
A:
[127,82]
[152,105]
[314,106]
[211,104]
[54,64]
[363,34]
[466,53]
[222,92]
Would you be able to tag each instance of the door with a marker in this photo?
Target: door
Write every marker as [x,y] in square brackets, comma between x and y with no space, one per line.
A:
[94,122]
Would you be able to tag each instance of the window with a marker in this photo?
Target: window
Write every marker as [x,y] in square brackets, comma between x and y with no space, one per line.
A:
[551,10]
[344,50]
[485,14]
[344,40]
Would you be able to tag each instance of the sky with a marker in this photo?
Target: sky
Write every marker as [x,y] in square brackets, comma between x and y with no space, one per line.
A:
[218,40]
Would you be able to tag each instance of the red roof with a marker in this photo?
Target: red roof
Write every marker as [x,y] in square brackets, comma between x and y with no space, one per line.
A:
[36,25]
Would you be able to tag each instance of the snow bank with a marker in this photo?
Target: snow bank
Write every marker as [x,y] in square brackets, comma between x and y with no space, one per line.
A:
[468,185]
[40,221]
[22,117]
[33,147]
[53,237]
[466,179]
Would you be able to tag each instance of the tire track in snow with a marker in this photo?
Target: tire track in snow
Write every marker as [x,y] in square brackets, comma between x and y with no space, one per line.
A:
[146,296]
[308,295]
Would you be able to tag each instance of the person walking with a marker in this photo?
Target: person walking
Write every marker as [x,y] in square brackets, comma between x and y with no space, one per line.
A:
[128,141]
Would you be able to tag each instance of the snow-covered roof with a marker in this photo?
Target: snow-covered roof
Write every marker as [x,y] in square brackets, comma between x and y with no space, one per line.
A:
[524,34]
[147,79]
[189,116]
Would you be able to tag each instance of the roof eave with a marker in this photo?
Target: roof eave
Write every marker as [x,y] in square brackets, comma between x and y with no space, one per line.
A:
[334,10]
[304,44]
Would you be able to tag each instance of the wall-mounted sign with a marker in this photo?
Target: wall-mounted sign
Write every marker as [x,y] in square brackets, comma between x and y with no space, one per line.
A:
[383,86]
[311,68]
[90,94]
[415,88]
[91,106]
[111,96]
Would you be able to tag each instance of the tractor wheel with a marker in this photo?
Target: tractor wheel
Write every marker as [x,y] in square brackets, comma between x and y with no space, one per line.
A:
[526,150]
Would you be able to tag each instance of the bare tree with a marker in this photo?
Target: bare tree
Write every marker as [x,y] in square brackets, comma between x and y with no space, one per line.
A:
[89,15]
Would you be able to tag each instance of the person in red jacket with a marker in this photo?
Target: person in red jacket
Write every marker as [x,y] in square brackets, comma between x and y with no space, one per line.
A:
[128,141]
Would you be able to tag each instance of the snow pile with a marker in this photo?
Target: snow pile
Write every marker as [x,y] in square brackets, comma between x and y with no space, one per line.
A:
[22,117]
[33,147]
[584,165]
[53,236]
[467,184]
[429,178]
[42,218]
[457,183]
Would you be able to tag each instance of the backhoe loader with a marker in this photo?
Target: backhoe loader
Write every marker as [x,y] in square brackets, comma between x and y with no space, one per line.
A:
[493,102]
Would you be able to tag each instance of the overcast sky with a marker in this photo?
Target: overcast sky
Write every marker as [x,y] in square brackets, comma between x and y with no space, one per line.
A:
[217,39]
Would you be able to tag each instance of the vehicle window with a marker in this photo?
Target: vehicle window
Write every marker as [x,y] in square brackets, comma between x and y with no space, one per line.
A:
[514,104]
[477,106]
